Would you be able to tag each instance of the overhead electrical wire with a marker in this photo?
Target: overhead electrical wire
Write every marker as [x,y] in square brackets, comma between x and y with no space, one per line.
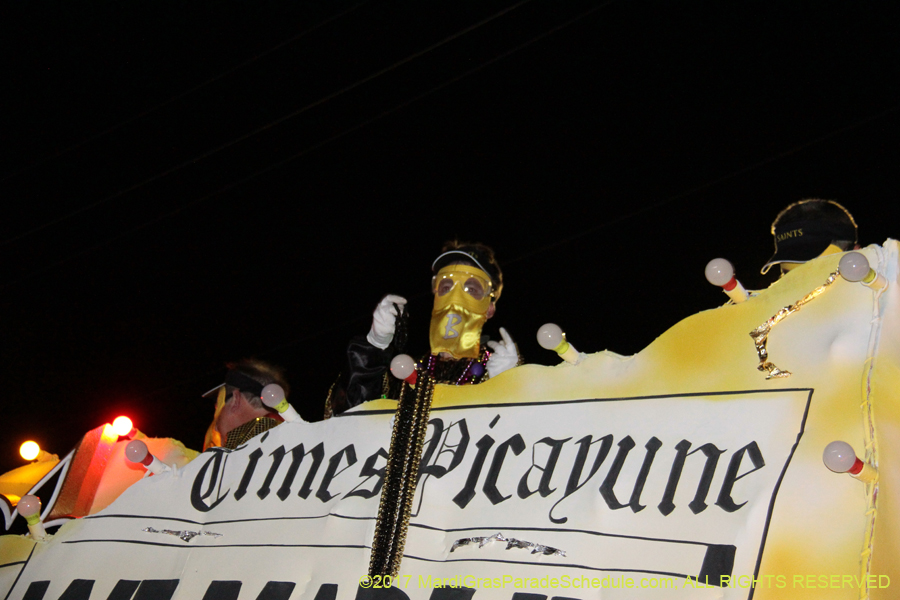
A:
[271,124]
[326,330]
[568,239]
[669,199]
[278,164]
[188,92]
[711,183]
[793,150]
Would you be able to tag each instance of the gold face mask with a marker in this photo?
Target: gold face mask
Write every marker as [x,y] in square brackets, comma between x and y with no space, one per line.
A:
[462,297]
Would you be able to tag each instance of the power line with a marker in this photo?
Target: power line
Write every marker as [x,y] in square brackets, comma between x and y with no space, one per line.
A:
[708,184]
[558,243]
[690,192]
[270,124]
[331,328]
[177,97]
[278,164]
[572,238]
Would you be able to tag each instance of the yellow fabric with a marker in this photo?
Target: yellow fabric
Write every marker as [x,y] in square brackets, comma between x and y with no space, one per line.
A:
[212,438]
[457,317]
[18,482]
[831,249]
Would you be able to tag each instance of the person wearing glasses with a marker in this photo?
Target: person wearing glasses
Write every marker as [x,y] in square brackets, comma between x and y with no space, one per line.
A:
[466,284]
[240,413]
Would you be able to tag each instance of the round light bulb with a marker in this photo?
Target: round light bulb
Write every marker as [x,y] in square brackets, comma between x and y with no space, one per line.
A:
[29,505]
[122,425]
[550,336]
[402,366]
[839,456]
[29,450]
[272,395]
[854,266]
[719,272]
[136,451]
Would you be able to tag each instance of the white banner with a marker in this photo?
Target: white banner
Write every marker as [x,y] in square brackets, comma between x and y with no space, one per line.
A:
[595,495]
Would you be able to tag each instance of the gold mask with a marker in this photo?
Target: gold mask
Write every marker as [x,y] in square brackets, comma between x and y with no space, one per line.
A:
[462,297]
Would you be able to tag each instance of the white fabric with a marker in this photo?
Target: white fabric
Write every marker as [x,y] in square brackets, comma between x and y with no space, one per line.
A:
[505,355]
[384,320]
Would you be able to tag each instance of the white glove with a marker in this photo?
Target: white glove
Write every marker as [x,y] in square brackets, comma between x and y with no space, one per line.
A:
[384,320]
[505,356]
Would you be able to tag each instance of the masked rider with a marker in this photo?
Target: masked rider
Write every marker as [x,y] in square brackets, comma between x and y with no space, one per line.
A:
[467,283]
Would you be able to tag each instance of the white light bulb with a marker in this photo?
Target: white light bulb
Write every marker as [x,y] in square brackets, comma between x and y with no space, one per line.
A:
[29,508]
[272,395]
[402,366]
[550,336]
[719,272]
[136,451]
[854,266]
[839,456]
[29,505]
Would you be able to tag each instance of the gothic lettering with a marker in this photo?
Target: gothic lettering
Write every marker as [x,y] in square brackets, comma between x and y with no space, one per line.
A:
[574,484]
[447,449]
[466,494]
[652,445]
[248,473]
[332,471]
[725,500]
[546,470]
[517,445]
[439,443]
[297,456]
[198,499]
[609,482]
[368,471]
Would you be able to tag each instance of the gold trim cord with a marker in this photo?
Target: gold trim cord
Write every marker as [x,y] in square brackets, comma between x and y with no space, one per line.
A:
[760,335]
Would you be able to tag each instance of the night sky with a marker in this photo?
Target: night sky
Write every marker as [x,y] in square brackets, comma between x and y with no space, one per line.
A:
[187,183]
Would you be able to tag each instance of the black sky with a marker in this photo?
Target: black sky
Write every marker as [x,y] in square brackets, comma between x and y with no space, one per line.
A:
[186,183]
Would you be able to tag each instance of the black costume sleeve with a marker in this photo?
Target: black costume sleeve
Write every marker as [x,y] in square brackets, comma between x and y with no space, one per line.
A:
[363,377]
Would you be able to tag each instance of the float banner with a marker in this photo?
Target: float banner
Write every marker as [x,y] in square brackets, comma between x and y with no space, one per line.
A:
[681,472]
[676,488]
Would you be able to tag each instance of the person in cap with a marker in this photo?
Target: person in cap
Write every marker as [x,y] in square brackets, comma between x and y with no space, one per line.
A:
[808,229]
[466,284]
[240,413]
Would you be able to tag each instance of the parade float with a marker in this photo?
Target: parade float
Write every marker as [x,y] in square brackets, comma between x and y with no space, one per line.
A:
[693,469]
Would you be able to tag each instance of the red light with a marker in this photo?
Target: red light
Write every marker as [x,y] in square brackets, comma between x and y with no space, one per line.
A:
[122,426]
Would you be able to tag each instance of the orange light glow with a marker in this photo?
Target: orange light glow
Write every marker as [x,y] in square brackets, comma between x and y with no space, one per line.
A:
[29,450]
[122,426]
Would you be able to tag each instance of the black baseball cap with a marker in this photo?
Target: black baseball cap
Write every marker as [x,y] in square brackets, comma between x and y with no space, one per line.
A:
[804,229]
[239,380]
